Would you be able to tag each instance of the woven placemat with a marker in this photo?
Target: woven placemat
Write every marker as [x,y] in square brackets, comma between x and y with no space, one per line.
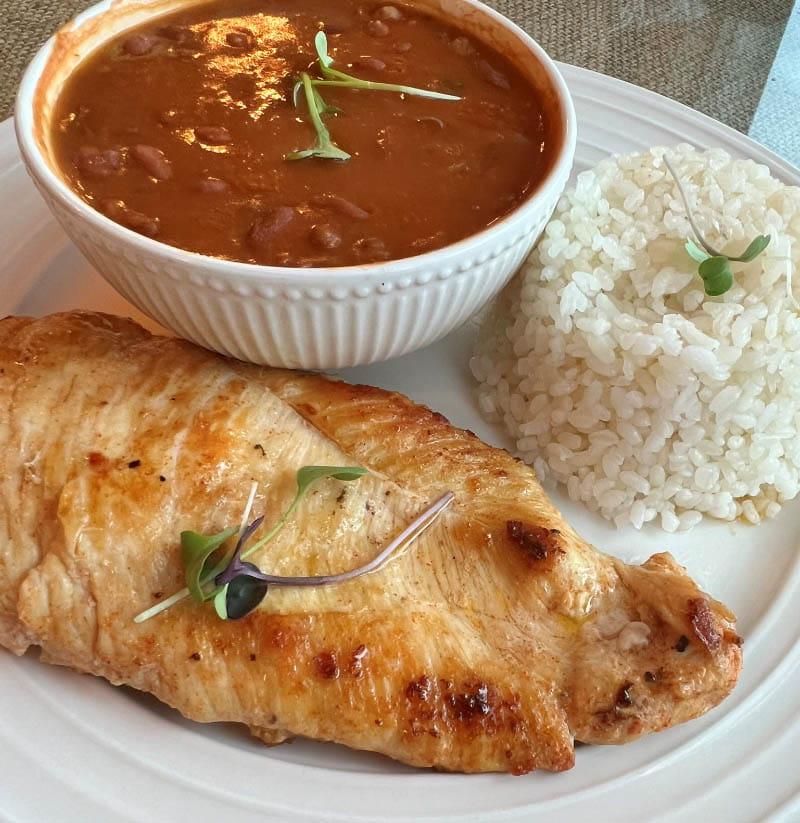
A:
[714,56]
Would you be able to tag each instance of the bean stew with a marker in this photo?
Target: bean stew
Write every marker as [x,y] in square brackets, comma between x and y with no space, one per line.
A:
[194,130]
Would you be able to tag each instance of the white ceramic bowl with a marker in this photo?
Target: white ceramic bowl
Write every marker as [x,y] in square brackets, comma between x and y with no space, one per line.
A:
[297,318]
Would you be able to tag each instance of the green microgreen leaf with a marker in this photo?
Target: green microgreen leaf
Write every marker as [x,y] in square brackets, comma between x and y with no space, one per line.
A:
[717,275]
[753,250]
[321,45]
[310,474]
[322,152]
[695,252]
[220,602]
[196,553]
[301,154]
[306,477]
[244,593]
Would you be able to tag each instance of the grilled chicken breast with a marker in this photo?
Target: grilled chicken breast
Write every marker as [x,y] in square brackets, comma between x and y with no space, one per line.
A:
[491,644]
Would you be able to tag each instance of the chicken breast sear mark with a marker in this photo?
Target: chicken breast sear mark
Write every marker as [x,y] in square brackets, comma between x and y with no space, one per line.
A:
[703,623]
[540,545]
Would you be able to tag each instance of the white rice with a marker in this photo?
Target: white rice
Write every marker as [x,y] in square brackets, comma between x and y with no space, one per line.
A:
[619,378]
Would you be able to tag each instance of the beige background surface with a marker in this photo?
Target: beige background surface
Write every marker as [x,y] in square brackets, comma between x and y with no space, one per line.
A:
[713,55]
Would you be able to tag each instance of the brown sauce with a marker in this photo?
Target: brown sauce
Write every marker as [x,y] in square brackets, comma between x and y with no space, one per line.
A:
[179,130]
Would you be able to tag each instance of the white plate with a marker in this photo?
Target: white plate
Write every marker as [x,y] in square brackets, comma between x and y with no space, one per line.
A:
[73,748]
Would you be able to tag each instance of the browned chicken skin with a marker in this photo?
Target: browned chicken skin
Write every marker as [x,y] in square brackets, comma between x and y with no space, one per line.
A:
[491,644]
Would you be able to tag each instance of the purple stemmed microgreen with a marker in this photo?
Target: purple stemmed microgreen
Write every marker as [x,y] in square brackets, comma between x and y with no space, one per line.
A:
[198,552]
[202,556]
[714,268]
[241,583]
[238,587]
[244,585]
[324,147]
[236,565]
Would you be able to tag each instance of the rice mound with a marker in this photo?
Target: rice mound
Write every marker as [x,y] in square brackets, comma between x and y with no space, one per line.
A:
[616,374]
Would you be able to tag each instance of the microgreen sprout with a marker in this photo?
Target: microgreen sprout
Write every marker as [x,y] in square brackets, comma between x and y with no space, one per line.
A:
[334,77]
[198,550]
[714,266]
[243,585]
[324,147]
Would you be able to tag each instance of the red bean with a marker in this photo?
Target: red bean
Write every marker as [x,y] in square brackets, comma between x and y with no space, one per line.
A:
[271,222]
[371,63]
[462,46]
[168,118]
[403,47]
[325,236]
[242,39]
[389,13]
[495,77]
[434,121]
[372,248]
[422,244]
[95,163]
[138,44]
[377,28]
[119,212]
[337,203]
[177,33]
[212,185]
[153,161]
[213,135]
